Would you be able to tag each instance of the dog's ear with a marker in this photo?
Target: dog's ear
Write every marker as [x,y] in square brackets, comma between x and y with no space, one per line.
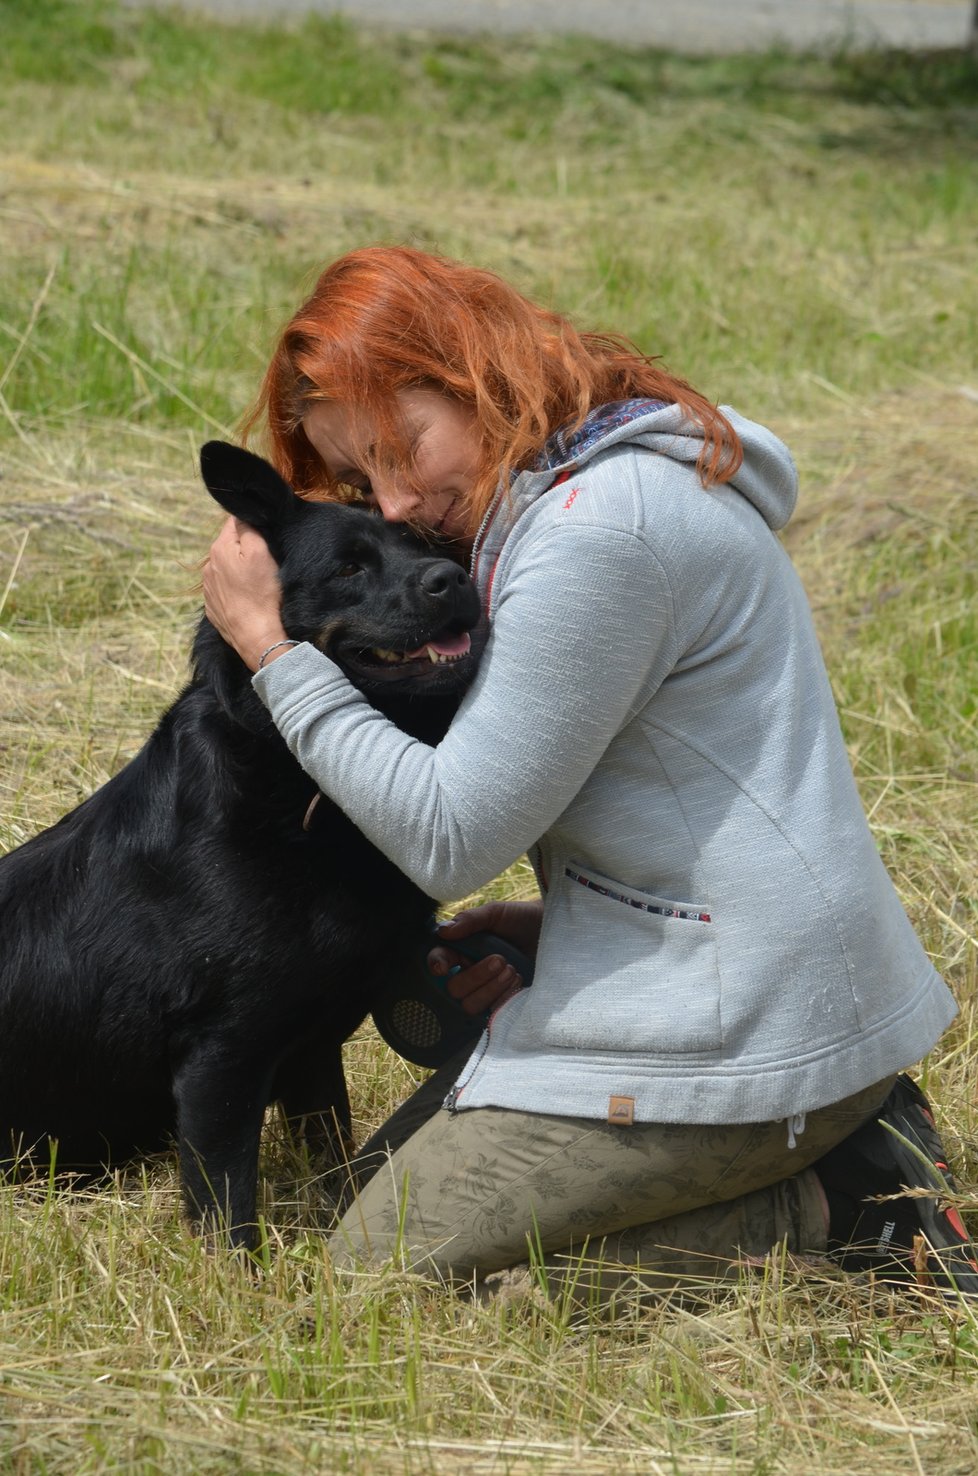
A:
[247,486]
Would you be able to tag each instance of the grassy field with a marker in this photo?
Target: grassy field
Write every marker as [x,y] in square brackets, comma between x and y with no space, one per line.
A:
[799,236]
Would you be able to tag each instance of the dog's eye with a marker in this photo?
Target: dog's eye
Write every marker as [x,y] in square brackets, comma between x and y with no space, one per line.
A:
[346,571]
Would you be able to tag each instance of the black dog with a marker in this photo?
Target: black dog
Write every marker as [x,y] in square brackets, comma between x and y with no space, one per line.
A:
[182,950]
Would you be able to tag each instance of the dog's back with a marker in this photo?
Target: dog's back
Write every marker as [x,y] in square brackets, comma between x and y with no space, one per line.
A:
[161,908]
[80,932]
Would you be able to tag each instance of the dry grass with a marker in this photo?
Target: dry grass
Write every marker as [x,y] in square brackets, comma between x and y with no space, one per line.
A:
[125,1347]
[886,541]
[825,289]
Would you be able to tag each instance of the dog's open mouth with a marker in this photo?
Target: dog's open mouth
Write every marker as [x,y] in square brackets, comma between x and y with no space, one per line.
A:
[443,650]
[443,656]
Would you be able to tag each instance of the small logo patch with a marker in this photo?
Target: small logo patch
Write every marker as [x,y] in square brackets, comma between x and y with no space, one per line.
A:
[883,1244]
[621,1111]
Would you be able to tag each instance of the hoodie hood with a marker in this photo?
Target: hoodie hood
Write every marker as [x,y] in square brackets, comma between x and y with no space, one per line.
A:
[767,477]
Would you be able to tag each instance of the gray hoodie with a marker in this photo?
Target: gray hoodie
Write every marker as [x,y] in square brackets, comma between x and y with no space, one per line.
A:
[652,721]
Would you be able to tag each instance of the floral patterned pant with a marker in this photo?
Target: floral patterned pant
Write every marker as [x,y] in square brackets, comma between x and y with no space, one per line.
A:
[462,1195]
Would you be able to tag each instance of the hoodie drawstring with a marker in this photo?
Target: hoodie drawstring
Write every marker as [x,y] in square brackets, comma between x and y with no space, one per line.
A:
[796,1126]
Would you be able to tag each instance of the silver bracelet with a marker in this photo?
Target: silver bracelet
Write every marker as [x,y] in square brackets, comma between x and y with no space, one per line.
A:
[269,649]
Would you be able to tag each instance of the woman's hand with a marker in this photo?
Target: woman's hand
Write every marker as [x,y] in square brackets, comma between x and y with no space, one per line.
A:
[242,595]
[482,983]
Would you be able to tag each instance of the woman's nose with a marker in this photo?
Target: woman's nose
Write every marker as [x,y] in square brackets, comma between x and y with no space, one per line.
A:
[396,502]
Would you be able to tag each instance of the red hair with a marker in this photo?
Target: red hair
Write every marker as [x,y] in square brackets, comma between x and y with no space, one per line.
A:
[388,318]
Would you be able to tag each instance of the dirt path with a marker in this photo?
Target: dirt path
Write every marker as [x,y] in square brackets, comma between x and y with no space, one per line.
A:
[684,25]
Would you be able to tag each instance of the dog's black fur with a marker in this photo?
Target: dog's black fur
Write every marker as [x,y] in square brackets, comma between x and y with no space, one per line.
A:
[178,952]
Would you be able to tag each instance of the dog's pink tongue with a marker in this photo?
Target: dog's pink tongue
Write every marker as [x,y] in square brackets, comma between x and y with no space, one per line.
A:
[458,645]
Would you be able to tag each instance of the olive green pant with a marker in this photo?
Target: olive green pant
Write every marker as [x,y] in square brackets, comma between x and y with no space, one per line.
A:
[459,1196]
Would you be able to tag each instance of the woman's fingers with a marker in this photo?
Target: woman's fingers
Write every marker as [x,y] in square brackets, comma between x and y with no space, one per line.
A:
[478,985]
[242,596]
[517,922]
[483,984]
[471,920]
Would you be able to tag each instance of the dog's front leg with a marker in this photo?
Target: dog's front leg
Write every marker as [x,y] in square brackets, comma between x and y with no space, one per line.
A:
[311,1086]
[220,1109]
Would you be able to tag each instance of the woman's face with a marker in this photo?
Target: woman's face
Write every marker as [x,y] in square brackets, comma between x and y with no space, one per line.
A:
[445,443]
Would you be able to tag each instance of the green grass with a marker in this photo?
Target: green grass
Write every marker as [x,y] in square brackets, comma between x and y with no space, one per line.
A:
[795,234]
[763,220]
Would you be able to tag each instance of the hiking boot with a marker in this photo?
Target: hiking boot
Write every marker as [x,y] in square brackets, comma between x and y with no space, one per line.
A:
[918,1238]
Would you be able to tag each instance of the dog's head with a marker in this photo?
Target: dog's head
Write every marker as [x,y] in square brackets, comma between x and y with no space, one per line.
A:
[398,617]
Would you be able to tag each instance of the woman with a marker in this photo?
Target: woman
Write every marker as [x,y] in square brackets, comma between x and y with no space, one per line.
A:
[726,984]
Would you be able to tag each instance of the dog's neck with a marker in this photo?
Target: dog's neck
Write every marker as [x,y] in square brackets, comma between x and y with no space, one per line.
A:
[221,677]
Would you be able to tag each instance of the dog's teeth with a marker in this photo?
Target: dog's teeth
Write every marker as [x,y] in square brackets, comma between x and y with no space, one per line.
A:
[437,658]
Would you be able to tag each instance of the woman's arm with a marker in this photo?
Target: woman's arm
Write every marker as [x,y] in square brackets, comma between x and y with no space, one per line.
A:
[584,632]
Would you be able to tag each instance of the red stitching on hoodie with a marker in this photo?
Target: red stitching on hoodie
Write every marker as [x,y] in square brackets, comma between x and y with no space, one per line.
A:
[478,553]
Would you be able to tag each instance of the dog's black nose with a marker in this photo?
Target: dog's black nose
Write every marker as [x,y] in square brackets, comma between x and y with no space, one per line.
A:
[442,579]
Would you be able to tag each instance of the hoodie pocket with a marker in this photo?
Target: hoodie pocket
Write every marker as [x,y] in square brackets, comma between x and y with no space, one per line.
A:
[623,970]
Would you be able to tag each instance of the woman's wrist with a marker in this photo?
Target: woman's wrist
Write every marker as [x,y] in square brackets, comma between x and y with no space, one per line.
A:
[258,648]
[274,651]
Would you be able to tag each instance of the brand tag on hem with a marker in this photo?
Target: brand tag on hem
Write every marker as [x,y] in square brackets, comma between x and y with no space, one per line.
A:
[621,1111]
